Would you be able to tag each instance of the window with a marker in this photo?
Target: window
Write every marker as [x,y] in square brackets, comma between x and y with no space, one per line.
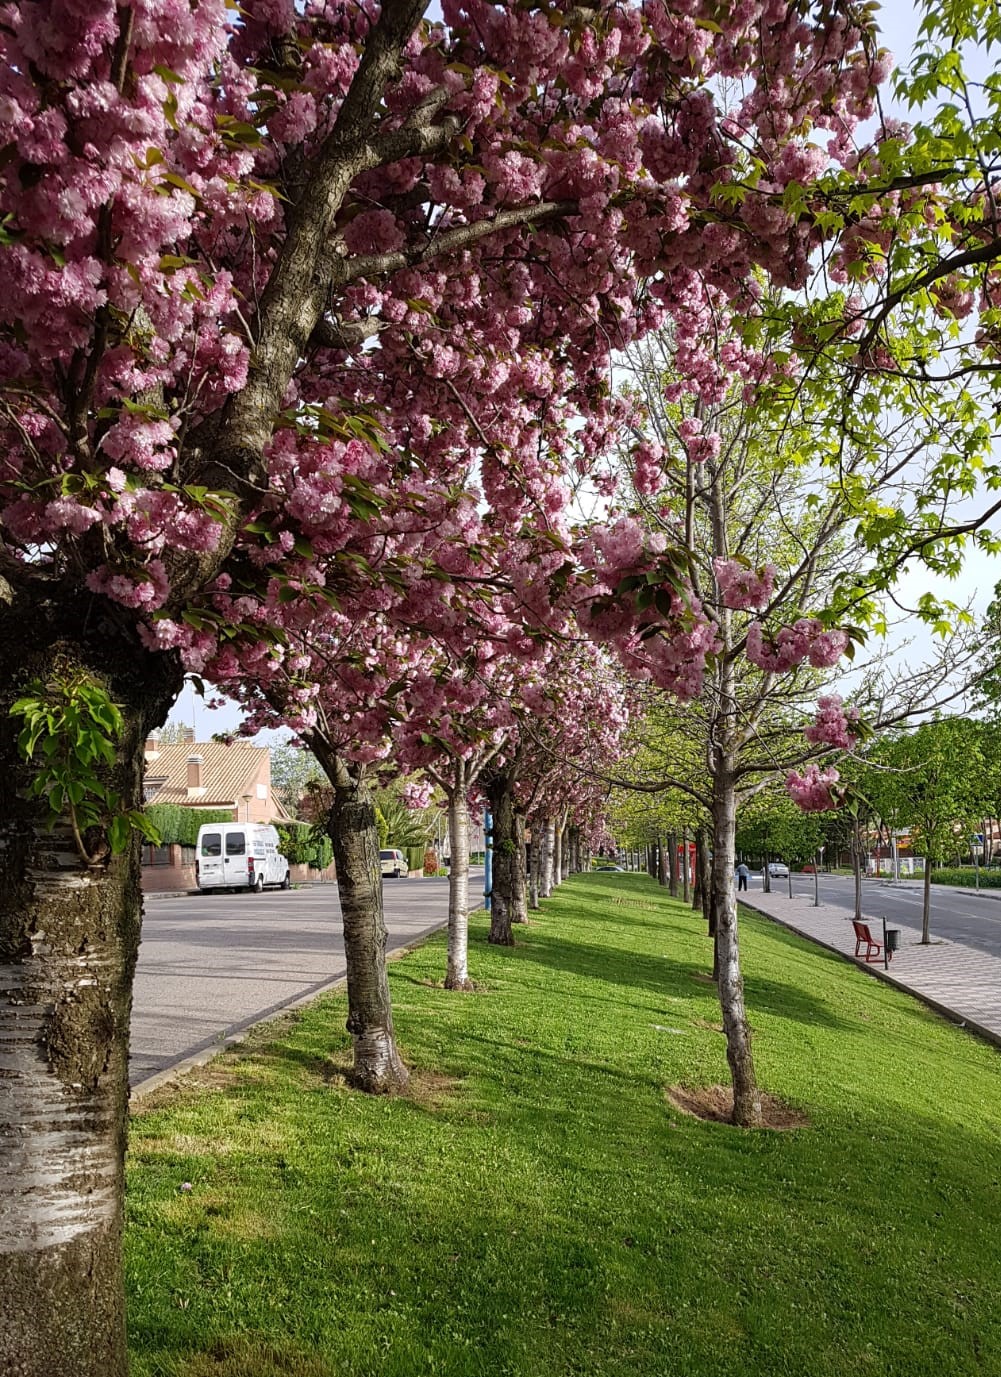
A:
[156,855]
[236,844]
[212,844]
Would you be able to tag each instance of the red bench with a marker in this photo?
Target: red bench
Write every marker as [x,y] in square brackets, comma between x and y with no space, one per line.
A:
[873,949]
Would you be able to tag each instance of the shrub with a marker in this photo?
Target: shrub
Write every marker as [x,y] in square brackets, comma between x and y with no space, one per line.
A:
[179,825]
[966,876]
[303,843]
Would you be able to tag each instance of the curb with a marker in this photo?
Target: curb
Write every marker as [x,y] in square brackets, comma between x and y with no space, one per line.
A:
[204,1055]
[968,1024]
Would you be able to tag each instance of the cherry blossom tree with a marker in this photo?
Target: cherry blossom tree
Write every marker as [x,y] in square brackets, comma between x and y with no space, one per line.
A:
[204,223]
[769,524]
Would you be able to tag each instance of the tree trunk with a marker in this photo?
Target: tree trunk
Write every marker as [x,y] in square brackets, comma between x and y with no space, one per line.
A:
[546,875]
[457,968]
[672,864]
[519,872]
[857,870]
[557,855]
[378,1067]
[69,938]
[697,885]
[533,867]
[746,1096]
[500,791]
[926,905]
[705,869]
[662,865]
[686,891]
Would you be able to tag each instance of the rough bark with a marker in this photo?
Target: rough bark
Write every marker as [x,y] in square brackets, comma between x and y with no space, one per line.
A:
[746,1096]
[457,967]
[69,938]
[557,855]
[378,1067]
[500,791]
[686,892]
[519,873]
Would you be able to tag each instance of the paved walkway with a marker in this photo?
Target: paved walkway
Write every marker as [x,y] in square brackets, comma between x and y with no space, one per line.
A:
[962,984]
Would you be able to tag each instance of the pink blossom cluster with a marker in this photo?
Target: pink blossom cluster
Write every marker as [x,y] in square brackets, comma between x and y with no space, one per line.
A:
[741,587]
[648,473]
[143,215]
[833,723]
[416,793]
[813,791]
[788,647]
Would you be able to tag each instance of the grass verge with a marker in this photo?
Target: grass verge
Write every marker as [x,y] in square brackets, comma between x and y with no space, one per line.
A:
[538,1209]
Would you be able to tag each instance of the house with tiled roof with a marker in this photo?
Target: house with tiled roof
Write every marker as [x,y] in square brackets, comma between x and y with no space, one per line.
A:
[204,775]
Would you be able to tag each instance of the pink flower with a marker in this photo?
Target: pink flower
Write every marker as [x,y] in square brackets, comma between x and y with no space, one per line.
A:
[831,725]
[791,645]
[813,791]
[743,588]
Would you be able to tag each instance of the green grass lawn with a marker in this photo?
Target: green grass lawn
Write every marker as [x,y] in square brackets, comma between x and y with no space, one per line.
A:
[538,1208]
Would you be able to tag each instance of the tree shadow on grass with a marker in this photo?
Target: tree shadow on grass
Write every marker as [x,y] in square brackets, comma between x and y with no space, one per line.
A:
[664,975]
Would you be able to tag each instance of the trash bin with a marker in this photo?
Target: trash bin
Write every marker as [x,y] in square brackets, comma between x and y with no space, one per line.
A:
[892,940]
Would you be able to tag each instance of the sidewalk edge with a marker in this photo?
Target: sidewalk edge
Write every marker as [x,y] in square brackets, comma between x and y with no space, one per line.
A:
[148,1084]
[968,1024]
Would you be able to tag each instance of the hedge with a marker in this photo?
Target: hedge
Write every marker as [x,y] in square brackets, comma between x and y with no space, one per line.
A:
[966,876]
[179,825]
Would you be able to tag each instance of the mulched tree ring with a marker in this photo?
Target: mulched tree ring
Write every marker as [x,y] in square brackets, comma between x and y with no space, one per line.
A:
[714,1103]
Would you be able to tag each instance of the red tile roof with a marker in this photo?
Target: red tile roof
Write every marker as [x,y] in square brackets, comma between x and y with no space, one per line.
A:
[228,773]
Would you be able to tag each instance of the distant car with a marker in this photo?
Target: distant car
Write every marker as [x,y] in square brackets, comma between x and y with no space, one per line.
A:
[778,870]
[394,863]
[609,867]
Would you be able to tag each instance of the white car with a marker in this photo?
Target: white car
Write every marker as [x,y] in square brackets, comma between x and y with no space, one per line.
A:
[394,863]
[778,870]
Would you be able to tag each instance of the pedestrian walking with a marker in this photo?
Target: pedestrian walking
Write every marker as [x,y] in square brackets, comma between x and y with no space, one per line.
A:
[742,874]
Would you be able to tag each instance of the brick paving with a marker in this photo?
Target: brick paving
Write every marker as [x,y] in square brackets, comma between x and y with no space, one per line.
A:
[961,983]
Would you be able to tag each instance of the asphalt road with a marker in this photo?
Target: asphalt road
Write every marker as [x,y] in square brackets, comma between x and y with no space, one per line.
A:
[211,964]
[960,916]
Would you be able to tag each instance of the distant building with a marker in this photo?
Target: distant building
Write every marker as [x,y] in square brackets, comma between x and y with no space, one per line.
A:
[202,775]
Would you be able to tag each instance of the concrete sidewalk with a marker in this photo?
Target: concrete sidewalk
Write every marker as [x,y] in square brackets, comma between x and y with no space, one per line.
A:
[962,984]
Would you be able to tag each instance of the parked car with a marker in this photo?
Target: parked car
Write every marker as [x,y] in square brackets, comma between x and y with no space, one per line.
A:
[239,855]
[778,870]
[394,863]
[609,867]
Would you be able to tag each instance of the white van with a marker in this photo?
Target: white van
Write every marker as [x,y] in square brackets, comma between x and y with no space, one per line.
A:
[239,855]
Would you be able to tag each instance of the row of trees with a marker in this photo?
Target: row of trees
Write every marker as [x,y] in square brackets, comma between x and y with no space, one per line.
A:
[306,351]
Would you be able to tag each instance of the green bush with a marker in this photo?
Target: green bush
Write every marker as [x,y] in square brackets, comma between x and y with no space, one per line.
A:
[179,825]
[966,876]
[304,843]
